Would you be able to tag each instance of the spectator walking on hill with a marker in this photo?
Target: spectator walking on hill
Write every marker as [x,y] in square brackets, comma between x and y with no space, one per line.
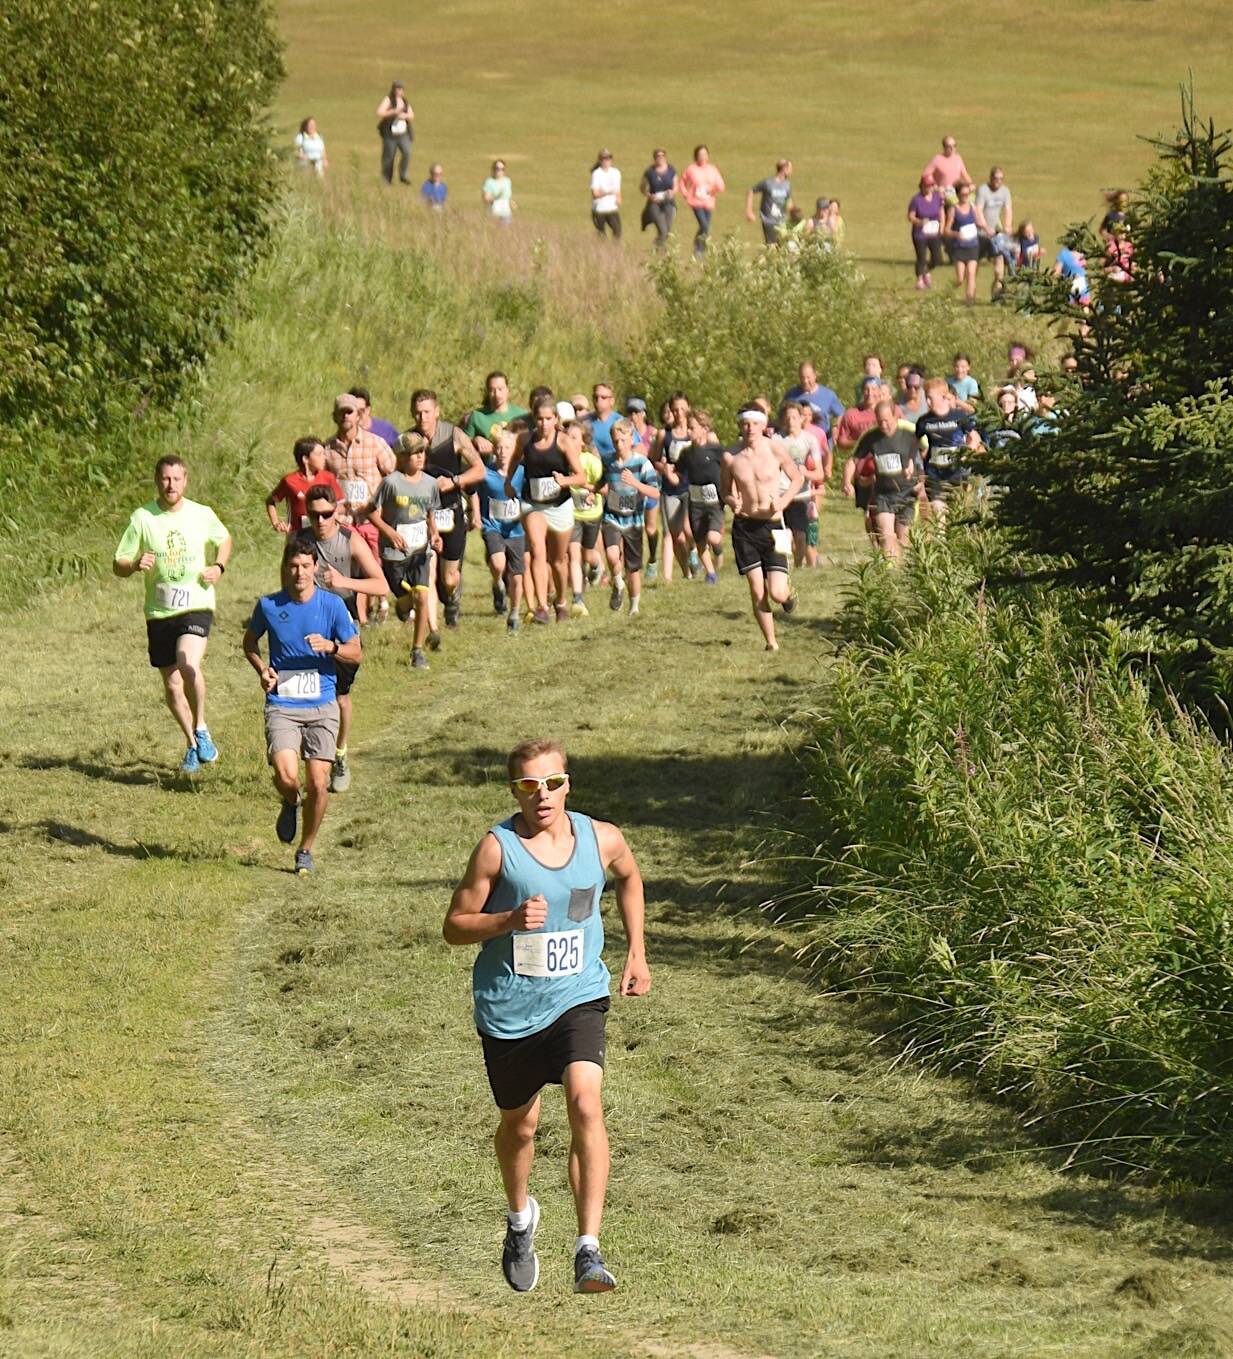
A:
[433,191]
[962,229]
[659,189]
[702,184]
[394,119]
[775,200]
[310,148]
[498,193]
[926,213]
[947,170]
[996,242]
[606,195]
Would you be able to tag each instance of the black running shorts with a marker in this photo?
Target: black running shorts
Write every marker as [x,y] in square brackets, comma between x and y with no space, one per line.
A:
[754,548]
[454,543]
[796,516]
[162,634]
[409,574]
[519,1068]
[704,519]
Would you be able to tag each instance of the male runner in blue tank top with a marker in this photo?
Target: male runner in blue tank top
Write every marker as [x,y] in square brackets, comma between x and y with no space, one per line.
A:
[530,899]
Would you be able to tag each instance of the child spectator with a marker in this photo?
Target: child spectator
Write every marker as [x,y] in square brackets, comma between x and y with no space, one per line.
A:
[1029,246]
[963,386]
[433,191]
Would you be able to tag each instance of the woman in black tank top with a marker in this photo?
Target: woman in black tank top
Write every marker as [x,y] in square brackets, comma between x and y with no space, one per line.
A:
[548,472]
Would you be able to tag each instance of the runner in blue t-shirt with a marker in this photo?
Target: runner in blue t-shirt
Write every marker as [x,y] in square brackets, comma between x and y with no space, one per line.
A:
[501,524]
[603,417]
[309,629]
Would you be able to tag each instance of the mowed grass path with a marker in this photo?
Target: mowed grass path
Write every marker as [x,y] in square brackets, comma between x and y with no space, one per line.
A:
[859,98]
[245,1114]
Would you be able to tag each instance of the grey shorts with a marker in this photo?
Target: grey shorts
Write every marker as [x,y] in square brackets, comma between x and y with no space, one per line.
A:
[675,508]
[311,732]
[513,549]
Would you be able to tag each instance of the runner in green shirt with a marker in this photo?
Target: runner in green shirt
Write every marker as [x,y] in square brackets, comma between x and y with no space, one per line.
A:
[483,425]
[168,541]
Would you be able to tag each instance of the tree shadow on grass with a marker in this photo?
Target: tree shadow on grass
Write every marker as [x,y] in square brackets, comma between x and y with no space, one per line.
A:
[61,833]
[135,773]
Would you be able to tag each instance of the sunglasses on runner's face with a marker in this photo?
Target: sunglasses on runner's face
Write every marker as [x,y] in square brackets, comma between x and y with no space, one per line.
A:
[552,782]
[321,514]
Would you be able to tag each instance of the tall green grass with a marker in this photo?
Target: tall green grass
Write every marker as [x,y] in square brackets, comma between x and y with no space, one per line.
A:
[1028,858]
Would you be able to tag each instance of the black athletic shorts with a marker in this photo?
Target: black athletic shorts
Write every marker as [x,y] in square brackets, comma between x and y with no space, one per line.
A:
[518,1068]
[412,573]
[754,548]
[631,544]
[704,519]
[344,678]
[586,532]
[864,496]
[796,516]
[163,633]
[454,543]
[902,504]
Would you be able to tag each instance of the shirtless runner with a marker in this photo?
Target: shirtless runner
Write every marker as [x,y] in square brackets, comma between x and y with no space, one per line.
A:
[759,479]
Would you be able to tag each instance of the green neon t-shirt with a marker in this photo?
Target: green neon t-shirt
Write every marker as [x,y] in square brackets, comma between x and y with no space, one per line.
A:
[179,539]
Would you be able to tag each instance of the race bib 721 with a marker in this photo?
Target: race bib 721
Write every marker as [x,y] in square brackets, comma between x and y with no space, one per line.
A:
[169,596]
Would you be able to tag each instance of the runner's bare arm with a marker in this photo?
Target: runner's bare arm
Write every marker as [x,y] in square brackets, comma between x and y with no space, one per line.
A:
[350,651]
[466,921]
[515,462]
[369,582]
[618,858]
[474,469]
[727,487]
[577,477]
[277,524]
[252,654]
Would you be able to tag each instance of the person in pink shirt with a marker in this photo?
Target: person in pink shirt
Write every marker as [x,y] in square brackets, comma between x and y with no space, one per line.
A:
[702,184]
[947,170]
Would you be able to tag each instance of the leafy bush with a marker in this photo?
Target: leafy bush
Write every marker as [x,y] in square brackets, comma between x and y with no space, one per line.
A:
[1028,859]
[742,322]
[137,185]
[1131,498]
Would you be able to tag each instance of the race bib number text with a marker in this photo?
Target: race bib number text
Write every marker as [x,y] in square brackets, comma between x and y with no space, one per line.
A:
[301,684]
[544,488]
[548,955]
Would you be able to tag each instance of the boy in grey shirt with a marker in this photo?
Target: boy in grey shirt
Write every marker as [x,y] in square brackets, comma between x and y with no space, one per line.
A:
[403,512]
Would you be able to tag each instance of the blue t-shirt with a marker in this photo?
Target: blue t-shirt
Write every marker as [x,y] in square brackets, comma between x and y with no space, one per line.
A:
[433,194]
[624,506]
[601,434]
[966,389]
[306,679]
[825,405]
[498,514]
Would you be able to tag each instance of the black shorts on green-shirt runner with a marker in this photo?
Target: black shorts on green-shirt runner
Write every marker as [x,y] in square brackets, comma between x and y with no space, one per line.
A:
[162,634]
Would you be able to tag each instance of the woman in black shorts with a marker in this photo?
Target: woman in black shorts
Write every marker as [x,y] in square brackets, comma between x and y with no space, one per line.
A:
[962,230]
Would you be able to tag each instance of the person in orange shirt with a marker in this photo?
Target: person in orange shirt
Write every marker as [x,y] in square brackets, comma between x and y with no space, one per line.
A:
[701,184]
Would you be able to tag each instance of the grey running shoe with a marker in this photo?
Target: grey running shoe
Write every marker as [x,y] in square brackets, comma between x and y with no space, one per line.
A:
[303,862]
[789,604]
[340,775]
[418,660]
[498,599]
[618,592]
[513,623]
[284,827]
[591,1275]
[519,1262]
[434,641]
[652,572]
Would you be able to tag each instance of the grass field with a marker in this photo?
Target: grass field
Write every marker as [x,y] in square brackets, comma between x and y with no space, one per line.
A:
[1057,92]
[243,1114]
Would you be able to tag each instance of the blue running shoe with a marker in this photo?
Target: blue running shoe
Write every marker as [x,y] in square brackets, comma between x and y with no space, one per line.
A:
[284,827]
[207,751]
[303,863]
[191,763]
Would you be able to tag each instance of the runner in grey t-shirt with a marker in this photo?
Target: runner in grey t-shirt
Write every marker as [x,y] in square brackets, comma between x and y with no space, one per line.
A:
[997,239]
[776,199]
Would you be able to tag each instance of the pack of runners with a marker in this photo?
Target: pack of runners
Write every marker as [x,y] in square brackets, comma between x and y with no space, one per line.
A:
[567,497]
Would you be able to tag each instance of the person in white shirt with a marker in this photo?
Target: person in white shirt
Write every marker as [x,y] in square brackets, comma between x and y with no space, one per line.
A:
[606,195]
[310,148]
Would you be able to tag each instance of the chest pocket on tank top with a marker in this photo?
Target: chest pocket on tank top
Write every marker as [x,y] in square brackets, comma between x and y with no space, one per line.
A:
[581,902]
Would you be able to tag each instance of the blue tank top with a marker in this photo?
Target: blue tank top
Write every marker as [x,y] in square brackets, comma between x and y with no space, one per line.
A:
[520,988]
